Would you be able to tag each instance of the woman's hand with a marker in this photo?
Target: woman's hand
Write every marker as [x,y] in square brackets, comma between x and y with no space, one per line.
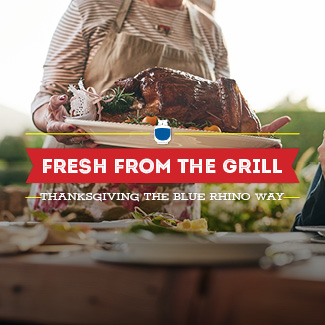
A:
[50,118]
[321,157]
[275,125]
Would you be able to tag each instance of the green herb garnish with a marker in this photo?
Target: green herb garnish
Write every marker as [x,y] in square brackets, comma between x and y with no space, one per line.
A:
[120,102]
[155,229]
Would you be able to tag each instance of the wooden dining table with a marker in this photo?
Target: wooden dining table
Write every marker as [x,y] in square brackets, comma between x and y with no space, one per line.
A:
[73,288]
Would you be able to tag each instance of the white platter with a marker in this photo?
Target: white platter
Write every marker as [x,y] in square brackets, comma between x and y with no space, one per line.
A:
[311,228]
[103,225]
[108,225]
[188,138]
[319,229]
[183,250]
[195,254]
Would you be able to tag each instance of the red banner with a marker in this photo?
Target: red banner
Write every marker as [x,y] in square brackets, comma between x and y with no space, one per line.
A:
[162,166]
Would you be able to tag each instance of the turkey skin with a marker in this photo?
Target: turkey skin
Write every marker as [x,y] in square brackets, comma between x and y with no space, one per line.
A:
[187,98]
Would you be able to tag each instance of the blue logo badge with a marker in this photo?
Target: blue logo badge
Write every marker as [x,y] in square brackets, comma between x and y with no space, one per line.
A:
[163,132]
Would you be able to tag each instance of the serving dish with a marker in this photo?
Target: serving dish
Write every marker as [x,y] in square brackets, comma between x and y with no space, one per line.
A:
[320,230]
[166,249]
[311,228]
[142,136]
[103,225]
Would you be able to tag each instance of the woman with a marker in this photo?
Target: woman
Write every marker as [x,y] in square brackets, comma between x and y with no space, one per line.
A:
[102,41]
[124,42]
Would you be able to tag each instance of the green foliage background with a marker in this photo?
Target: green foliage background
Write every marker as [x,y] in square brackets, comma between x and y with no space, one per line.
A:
[271,215]
[246,216]
[14,161]
[309,123]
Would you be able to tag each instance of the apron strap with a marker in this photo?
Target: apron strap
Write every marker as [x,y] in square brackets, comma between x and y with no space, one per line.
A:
[193,20]
[120,17]
[198,45]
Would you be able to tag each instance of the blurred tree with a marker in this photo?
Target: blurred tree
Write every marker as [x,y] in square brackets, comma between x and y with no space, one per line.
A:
[12,149]
[287,105]
[304,120]
[32,141]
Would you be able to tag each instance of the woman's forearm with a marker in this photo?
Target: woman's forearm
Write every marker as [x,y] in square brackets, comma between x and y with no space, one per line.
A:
[40,117]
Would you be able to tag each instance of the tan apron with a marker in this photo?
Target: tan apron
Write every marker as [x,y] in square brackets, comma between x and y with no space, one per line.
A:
[123,55]
[120,50]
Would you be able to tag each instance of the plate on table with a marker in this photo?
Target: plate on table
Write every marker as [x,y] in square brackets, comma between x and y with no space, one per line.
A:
[319,229]
[107,225]
[103,225]
[142,136]
[166,249]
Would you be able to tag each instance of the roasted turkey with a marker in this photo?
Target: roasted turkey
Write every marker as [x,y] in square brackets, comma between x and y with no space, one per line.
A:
[187,98]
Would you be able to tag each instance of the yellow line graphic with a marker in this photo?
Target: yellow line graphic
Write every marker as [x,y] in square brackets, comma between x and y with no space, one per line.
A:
[291,197]
[68,133]
[221,133]
[33,197]
[147,133]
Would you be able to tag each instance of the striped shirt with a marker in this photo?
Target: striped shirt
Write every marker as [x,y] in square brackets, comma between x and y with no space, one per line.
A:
[85,24]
